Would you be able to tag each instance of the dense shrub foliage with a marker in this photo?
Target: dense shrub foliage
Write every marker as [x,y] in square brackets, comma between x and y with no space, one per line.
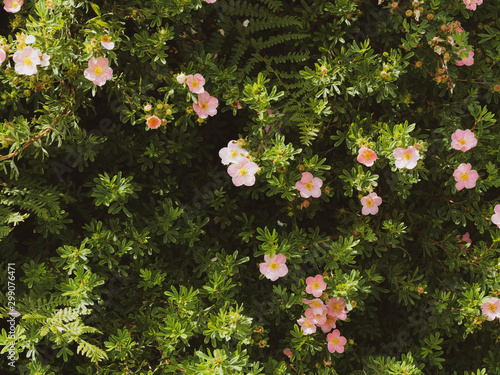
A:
[250,187]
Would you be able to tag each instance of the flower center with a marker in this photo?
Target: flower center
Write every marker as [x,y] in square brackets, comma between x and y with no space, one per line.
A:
[273,265]
[407,156]
[465,176]
[369,203]
[204,106]
[315,285]
[309,186]
[243,172]
[27,61]
[335,341]
[307,324]
[493,308]
[14,4]
[336,307]
[194,84]
[316,304]
[368,155]
[98,70]
[462,141]
[234,154]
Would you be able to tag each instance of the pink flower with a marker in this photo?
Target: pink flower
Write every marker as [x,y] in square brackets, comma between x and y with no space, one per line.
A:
[181,78]
[236,104]
[306,326]
[153,122]
[495,219]
[98,71]
[106,42]
[232,153]
[26,61]
[336,342]
[370,204]
[465,177]
[13,6]
[196,83]
[336,308]
[309,186]
[491,308]
[3,55]
[469,60]
[465,238]
[243,172]
[318,318]
[274,267]
[44,58]
[315,304]
[463,140]
[406,158]
[206,106]
[470,4]
[329,324]
[367,156]
[315,285]
[210,1]
[288,352]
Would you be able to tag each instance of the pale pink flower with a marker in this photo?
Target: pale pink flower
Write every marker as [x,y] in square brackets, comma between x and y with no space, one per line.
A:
[309,186]
[274,267]
[491,308]
[465,238]
[495,219]
[195,83]
[406,158]
[44,58]
[13,6]
[107,43]
[315,304]
[329,324]
[210,1]
[465,177]
[288,352]
[98,71]
[336,342]
[181,78]
[463,140]
[153,122]
[315,285]
[3,55]
[243,172]
[468,61]
[370,204]
[318,318]
[30,39]
[26,61]
[470,4]
[336,308]
[367,156]
[306,326]
[206,106]
[232,153]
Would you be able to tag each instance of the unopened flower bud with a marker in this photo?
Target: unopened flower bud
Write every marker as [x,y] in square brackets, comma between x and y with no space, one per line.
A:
[200,120]
[430,16]
[301,168]
[240,142]
[189,110]
[408,13]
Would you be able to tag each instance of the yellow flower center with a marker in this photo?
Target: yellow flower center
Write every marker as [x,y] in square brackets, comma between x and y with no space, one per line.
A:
[316,304]
[315,285]
[234,153]
[465,176]
[336,307]
[204,106]
[273,265]
[14,4]
[194,84]
[407,156]
[27,61]
[309,186]
[105,39]
[243,172]
[492,308]
[98,70]
[307,324]
[368,155]
[335,341]
[369,203]
[462,141]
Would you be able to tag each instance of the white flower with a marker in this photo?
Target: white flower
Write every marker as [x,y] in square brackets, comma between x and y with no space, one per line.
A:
[245,23]
[30,39]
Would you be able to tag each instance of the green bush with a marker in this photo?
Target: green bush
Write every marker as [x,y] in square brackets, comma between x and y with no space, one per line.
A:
[129,248]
